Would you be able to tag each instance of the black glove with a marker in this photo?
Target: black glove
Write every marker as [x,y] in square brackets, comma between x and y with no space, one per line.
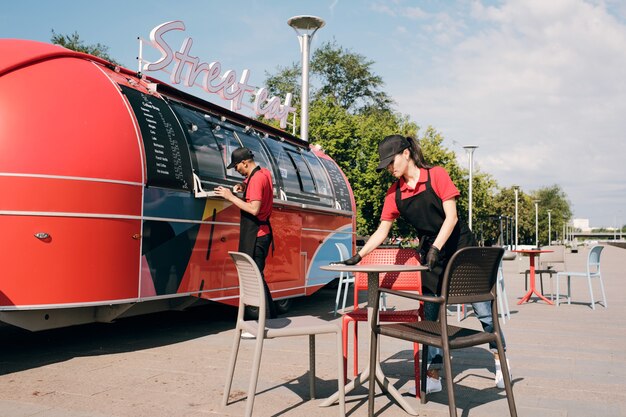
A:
[350,261]
[432,257]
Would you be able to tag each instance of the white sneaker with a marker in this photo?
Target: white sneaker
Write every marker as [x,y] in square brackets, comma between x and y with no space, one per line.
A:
[499,379]
[247,335]
[432,385]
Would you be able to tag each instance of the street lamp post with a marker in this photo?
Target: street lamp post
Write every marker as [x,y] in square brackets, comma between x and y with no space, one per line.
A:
[516,189]
[549,227]
[305,27]
[536,223]
[470,152]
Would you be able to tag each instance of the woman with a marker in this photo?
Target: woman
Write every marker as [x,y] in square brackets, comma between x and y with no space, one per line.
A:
[425,197]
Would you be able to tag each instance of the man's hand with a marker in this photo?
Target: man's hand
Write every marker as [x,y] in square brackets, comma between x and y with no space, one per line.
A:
[432,257]
[239,188]
[350,261]
[223,192]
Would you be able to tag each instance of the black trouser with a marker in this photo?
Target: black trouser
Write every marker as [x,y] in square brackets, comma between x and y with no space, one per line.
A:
[261,250]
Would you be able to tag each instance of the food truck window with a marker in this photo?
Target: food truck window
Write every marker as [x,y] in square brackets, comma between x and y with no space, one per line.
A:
[260,154]
[202,144]
[306,179]
[229,141]
[319,174]
[342,194]
[286,167]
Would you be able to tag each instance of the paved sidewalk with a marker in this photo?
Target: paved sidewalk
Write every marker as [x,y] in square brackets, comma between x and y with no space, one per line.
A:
[566,361]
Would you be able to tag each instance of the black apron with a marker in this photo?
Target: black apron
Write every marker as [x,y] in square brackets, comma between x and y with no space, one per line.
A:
[424,211]
[249,225]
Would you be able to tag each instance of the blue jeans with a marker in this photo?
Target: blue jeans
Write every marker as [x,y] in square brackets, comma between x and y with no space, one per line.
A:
[482,311]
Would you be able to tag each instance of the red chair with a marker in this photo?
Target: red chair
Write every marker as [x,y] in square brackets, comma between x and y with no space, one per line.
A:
[404,281]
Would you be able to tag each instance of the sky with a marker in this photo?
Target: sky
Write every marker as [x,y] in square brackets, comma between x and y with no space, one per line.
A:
[538,85]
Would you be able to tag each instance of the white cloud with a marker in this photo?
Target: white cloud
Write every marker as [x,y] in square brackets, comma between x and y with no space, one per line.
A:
[540,88]
[415,13]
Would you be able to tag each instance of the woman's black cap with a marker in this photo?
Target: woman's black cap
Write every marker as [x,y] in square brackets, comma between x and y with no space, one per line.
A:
[389,147]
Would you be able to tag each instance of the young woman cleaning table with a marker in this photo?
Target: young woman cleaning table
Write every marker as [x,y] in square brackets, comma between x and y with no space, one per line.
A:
[425,197]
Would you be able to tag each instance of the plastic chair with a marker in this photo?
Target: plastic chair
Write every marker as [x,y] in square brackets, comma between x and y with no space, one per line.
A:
[503,301]
[251,293]
[593,271]
[406,281]
[345,278]
[471,276]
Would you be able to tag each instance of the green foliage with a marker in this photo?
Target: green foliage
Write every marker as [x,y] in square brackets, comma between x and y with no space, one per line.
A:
[352,141]
[552,198]
[503,205]
[285,80]
[347,78]
[73,42]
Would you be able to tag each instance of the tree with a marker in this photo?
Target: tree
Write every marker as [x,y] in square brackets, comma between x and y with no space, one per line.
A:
[73,42]
[552,198]
[338,76]
[502,204]
[352,141]
[347,78]
[284,81]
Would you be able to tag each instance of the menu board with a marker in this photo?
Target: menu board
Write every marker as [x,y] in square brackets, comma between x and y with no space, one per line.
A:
[168,163]
[342,194]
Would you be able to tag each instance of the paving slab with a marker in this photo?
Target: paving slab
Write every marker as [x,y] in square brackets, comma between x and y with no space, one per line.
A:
[566,361]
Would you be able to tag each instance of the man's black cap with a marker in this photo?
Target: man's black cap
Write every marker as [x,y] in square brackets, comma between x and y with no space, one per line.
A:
[238,155]
[388,148]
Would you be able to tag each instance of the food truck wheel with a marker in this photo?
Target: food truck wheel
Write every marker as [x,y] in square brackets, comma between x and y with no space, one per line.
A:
[282,307]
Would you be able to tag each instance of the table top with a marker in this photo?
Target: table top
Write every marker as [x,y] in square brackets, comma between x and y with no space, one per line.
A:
[374,268]
[532,251]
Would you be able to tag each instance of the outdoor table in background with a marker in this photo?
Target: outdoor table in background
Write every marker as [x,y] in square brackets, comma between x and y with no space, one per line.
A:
[532,253]
[373,272]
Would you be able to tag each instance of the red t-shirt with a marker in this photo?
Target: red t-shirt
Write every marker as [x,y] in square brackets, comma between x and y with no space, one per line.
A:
[260,188]
[440,182]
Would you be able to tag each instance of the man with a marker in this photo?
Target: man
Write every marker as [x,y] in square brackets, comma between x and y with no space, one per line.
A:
[255,236]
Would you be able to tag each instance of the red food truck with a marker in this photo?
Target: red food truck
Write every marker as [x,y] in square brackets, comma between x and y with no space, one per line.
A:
[103,208]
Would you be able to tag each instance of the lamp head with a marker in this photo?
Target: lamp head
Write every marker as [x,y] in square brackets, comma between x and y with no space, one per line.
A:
[306,23]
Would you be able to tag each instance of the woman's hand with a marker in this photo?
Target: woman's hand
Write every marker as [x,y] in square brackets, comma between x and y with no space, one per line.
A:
[432,257]
[350,261]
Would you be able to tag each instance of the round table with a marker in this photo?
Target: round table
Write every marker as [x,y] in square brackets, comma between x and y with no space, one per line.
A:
[373,272]
[532,253]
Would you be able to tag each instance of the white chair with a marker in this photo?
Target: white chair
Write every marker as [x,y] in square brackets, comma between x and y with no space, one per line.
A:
[503,301]
[593,272]
[251,293]
[345,278]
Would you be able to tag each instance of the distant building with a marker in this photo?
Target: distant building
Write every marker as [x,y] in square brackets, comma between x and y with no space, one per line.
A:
[582,225]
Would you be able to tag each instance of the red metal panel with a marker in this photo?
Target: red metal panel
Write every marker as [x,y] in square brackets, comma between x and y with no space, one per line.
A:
[69,196]
[65,117]
[84,260]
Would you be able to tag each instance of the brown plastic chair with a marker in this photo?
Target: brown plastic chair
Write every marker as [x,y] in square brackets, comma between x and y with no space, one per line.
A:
[251,293]
[471,276]
[404,281]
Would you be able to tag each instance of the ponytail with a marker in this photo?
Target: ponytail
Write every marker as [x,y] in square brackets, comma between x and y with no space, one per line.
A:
[416,153]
